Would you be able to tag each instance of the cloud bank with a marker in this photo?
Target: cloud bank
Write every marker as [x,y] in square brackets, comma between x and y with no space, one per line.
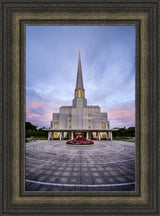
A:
[108,67]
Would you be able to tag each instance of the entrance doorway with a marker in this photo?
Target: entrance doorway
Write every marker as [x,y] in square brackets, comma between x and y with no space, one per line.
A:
[80,134]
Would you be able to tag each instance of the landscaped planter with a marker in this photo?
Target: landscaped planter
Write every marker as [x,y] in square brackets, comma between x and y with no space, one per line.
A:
[80,141]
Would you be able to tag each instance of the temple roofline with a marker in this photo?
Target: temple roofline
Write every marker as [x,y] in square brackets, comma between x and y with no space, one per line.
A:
[65,107]
[81,130]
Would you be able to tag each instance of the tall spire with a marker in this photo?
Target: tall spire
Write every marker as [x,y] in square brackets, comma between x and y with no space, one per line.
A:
[79,98]
[79,84]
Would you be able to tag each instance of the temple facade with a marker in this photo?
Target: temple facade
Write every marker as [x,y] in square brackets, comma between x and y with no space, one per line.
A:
[80,119]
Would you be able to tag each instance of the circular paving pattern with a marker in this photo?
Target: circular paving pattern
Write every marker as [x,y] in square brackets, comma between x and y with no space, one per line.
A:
[56,166]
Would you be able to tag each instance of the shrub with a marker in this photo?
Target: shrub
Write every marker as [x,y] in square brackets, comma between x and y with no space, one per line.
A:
[80,141]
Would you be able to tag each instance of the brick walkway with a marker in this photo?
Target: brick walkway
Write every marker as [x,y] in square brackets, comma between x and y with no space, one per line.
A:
[104,166]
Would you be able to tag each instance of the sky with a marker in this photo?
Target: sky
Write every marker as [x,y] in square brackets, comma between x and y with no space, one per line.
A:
[108,68]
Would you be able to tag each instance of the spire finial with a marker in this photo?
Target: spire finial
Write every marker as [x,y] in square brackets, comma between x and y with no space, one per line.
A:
[79,51]
[79,84]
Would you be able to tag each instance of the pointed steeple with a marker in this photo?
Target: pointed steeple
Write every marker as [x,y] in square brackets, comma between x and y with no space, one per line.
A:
[79,96]
[79,84]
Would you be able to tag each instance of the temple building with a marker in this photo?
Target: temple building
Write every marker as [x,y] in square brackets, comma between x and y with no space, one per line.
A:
[80,119]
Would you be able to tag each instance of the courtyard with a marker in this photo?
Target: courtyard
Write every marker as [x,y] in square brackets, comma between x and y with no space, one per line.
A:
[104,166]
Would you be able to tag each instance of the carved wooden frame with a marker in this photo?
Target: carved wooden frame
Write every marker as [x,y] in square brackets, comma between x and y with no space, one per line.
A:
[14,16]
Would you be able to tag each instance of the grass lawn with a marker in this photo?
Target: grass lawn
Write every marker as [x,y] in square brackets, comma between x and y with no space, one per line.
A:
[44,138]
[123,139]
[37,138]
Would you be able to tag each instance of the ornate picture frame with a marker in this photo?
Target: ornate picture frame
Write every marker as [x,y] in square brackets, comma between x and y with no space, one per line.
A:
[14,16]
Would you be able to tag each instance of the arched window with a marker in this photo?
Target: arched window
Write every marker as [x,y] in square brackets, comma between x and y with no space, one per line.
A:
[79,93]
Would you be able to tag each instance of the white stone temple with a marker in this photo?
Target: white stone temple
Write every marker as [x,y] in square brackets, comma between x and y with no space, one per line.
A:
[80,119]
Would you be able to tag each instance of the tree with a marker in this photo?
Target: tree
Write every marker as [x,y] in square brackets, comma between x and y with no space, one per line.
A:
[123,132]
[29,133]
[31,130]
[29,125]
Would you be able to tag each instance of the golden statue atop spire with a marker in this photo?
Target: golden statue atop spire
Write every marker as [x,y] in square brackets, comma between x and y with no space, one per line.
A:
[79,51]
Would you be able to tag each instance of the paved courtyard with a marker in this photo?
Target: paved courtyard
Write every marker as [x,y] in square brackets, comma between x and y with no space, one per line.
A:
[103,166]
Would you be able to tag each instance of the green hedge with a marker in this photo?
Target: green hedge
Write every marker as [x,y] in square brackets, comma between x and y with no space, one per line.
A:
[124,132]
[31,130]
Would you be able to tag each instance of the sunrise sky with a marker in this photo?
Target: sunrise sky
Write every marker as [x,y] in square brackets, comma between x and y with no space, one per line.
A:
[108,67]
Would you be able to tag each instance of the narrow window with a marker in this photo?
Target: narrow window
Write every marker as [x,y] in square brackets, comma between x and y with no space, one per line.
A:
[76,94]
[103,125]
[82,93]
[79,93]
[70,124]
[89,123]
[55,125]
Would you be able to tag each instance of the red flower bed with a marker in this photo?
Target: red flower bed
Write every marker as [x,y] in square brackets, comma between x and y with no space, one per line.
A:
[80,141]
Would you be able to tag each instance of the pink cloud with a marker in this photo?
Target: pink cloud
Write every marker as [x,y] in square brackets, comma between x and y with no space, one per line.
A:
[36,104]
[42,118]
[122,115]
[54,105]
[124,112]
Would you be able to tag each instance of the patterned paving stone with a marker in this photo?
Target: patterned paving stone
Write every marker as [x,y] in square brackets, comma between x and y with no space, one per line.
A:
[104,166]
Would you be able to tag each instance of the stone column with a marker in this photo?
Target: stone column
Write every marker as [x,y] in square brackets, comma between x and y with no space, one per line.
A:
[52,135]
[107,135]
[99,136]
[111,136]
[71,135]
[49,135]
[90,135]
[96,135]
[60,135]
[87,135]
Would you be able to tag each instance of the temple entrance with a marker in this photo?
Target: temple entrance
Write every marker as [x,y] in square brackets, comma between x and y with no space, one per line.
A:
[72,134]
[55,135]
[80,134]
